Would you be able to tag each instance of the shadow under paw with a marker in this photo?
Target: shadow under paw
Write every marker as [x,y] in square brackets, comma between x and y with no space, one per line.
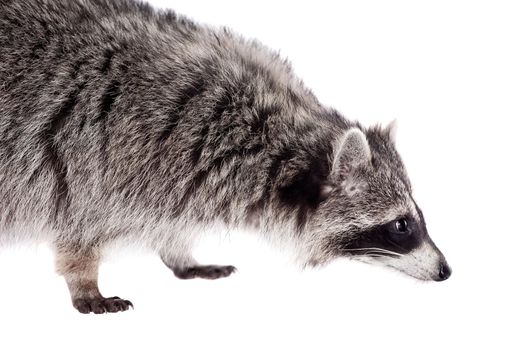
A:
[206,271]
[101,305]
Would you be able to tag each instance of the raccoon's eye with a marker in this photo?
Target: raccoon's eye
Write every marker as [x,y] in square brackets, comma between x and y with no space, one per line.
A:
[401,226]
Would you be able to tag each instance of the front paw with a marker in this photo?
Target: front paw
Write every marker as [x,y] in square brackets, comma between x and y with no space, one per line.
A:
[210,272]
[101,305]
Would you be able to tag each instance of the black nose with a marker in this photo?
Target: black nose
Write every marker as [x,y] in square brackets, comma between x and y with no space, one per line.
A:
[444,271]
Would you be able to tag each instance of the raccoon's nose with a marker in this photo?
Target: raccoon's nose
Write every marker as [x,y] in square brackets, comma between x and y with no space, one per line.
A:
[444,271]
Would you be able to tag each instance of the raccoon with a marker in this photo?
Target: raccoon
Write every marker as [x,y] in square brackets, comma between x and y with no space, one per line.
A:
[122,124]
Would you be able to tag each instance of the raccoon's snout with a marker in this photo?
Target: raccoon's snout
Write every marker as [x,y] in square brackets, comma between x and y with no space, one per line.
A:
[444,272]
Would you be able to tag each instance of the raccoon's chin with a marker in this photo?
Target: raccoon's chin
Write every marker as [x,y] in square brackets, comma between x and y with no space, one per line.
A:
[420,275]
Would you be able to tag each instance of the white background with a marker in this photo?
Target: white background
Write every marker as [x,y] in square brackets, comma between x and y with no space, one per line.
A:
[453,74]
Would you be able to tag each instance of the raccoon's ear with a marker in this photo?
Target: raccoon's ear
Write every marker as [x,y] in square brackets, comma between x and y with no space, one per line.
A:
[350,151]
[391,130]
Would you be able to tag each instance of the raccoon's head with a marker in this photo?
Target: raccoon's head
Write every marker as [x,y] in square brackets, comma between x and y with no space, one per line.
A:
[368,212]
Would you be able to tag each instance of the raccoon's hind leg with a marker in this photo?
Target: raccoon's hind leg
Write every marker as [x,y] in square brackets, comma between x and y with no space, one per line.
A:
[80,270]
[185,267]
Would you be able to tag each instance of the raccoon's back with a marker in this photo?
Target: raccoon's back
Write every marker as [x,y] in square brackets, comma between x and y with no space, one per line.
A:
[110,109]
[82,94]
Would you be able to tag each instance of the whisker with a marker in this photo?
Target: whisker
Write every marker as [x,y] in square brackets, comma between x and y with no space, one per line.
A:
[377,251]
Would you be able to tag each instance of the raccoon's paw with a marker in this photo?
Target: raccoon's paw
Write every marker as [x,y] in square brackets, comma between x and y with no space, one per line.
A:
[101,305]
[210,272]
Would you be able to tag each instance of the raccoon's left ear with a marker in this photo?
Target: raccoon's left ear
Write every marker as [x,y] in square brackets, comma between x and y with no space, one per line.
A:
[351,151]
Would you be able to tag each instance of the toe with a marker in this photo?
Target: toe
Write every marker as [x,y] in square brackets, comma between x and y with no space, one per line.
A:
[97,306]
[230,269]
[111,305]
[82,306]
[115,304]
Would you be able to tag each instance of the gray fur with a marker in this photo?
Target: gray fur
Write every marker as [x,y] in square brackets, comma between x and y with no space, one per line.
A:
[121,124]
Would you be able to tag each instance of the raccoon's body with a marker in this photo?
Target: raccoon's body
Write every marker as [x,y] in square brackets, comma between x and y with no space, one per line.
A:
[120,123]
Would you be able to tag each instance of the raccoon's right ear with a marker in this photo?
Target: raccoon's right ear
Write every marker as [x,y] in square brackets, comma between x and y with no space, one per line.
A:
[350,151]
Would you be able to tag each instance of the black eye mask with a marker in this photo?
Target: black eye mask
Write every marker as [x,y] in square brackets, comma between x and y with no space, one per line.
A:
[400,236]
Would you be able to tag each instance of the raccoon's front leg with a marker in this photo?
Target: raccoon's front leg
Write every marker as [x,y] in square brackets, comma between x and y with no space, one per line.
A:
[80,270]
[187,268]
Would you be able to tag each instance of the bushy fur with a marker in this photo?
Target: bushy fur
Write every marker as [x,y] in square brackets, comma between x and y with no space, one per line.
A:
[120,123]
